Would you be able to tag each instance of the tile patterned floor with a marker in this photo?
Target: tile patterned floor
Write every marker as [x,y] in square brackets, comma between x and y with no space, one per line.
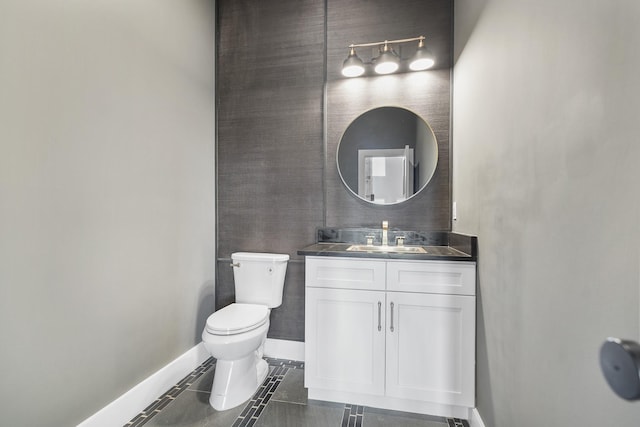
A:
[281,401]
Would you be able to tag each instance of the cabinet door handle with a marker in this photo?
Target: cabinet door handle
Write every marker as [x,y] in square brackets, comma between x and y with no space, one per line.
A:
[379,316]
[391,328]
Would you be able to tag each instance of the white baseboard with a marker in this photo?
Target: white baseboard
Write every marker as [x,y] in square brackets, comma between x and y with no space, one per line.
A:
[130,404]
[284,349]
[474,418]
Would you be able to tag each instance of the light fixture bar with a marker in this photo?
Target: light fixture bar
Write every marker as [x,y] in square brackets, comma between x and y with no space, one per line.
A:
[413,39]
[388,61]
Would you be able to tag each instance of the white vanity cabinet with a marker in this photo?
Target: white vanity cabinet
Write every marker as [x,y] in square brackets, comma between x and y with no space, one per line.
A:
[389,333]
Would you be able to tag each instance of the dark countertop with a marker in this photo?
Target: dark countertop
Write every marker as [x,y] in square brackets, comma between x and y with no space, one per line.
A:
[440,245]
[442,253]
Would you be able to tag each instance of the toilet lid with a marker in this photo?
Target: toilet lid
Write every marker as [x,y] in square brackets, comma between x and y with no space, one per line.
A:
[237,318]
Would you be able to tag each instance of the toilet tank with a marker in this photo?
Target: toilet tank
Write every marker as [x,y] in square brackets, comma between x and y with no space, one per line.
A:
[259,277]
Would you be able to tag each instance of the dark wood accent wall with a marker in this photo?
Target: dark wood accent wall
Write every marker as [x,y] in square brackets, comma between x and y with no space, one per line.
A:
[277,179]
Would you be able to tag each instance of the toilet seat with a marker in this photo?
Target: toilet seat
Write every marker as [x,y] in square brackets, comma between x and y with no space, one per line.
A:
[237,318]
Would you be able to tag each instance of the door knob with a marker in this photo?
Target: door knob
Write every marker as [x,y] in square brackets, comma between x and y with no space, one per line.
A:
[620,364]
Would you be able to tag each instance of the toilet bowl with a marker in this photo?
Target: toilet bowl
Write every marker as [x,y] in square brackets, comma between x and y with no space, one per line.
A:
[235,335]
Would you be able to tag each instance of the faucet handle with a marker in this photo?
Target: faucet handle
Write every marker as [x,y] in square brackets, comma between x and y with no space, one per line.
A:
[400,240]
[370,240]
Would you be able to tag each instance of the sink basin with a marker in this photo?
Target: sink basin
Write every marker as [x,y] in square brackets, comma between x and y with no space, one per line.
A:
[394,249]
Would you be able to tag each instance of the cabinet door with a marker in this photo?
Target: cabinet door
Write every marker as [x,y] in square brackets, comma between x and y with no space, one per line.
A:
[431,348]
[345,273]
[344,340]
[434,277]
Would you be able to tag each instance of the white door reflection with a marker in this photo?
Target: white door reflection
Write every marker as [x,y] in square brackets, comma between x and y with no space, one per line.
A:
[385,176]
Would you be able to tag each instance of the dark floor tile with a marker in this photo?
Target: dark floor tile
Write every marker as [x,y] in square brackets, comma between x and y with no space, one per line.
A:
[164,402]
[154,405]
[137,418]
[457,422]
[191,409]
[352,416]
[285,414]
[374,417]
[287,400]
[140,421]
[291,388]
[294,364]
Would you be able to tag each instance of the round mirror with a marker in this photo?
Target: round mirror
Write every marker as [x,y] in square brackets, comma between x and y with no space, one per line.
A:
[387,155]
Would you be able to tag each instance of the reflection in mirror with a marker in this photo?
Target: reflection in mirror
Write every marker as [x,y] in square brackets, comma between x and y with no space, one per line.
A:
[387,155]
[385,176]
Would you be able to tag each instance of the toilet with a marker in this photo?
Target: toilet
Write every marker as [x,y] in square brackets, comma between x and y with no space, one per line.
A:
[235,335]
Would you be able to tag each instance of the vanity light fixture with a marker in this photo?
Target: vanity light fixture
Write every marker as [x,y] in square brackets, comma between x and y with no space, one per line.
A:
[388,61]
[352,66]
[422,59]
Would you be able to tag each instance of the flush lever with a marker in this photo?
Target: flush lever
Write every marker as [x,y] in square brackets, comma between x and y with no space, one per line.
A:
[237,264]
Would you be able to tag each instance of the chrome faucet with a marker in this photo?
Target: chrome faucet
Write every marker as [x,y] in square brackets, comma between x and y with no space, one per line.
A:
[385,238]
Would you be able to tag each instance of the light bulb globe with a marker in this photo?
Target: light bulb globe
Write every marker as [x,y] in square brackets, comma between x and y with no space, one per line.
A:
[422,59]
[352,66]
[387,62]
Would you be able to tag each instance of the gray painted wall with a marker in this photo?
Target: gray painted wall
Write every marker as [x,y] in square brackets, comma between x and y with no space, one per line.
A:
[545,161]
[106,198]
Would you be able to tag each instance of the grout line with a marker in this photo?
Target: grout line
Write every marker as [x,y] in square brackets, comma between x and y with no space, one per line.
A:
[286,401]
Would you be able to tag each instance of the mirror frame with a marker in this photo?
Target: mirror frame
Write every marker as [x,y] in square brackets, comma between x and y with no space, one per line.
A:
[431,172]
